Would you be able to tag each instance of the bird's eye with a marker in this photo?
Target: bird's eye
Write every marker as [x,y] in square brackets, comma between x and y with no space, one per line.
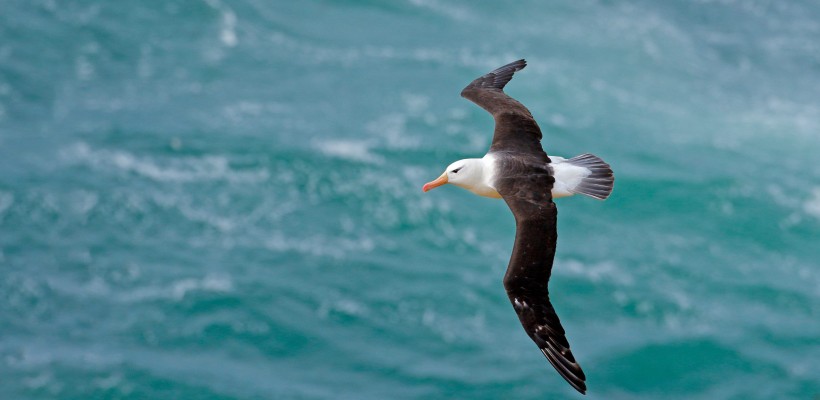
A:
[456,170]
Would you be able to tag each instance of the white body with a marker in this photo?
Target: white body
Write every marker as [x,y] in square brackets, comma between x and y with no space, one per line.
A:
[478,174]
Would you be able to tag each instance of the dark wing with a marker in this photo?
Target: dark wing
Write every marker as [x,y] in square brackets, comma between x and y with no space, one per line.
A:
[515,128]
[526,187]
[525,182]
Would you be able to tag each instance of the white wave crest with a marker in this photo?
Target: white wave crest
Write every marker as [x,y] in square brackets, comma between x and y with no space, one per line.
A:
[464,57]
[179,289]
[812,205]
[447,10]
[188,169]
[354,150]
[6,201]
[320,246]
[595,272]
[227,23]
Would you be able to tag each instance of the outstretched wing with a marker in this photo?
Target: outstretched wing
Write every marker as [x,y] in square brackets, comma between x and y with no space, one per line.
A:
[515,128]
[525,182]
[526,187]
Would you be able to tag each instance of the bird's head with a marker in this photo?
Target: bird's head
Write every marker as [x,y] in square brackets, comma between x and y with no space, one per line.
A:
[464,173]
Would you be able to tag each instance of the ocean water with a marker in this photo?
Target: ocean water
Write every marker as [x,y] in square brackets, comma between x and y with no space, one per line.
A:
[222,199]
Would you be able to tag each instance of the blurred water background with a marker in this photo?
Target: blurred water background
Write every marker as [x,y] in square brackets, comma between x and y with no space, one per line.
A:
[221,199]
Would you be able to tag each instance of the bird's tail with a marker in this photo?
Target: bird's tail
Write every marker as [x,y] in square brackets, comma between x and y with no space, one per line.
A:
[599,183]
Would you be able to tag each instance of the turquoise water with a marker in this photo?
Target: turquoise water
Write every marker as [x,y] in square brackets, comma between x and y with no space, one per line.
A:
[222,199]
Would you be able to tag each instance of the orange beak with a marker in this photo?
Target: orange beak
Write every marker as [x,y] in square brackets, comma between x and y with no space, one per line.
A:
[436,183]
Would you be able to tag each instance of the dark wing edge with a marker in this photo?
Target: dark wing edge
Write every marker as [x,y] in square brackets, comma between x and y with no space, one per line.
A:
[487,91]
[530,267]
[515,128]
[497,78]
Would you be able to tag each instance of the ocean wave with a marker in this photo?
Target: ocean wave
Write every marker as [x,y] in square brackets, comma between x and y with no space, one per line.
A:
[186,206]
[595,272]
[177,290]
[392,130]
[452,328]
[352,150]
[798,205]
[246,109]
[227,25]
[180,169]
[780,117]
[464,57]
[6,201]
[180,288]
[334,247]
[347,306]
[448,10]
[81,202]
[812,204]
[225,32]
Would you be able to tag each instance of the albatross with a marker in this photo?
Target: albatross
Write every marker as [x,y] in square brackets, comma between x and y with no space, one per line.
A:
[517,169]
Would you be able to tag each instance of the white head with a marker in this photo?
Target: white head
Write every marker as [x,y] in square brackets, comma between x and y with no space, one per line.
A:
[467,173]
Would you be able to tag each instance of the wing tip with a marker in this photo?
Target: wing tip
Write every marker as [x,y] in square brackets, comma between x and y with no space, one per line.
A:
[497,78]
[576,379]
[518,65]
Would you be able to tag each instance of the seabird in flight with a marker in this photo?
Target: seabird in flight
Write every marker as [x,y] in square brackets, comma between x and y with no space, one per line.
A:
[517,169]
